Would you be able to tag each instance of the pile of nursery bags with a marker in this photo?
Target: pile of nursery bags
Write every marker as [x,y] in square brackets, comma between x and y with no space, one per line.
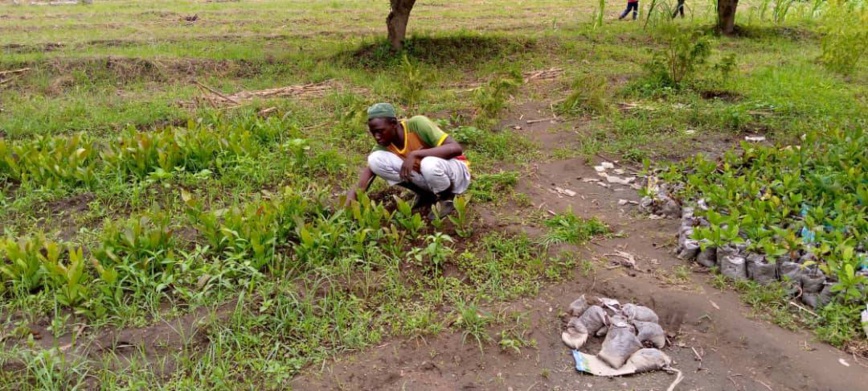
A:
[632,335]
[736,262]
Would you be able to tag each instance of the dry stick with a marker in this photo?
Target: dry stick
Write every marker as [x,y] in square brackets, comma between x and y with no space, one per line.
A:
[678,379]
[208,98]
[314,126]
[14,71]
[198,100]
[267,111]
[767,386]
[215,92]
[533,121]
[8,80]
[733,381]
[804,309]
[698,357]
[858,362]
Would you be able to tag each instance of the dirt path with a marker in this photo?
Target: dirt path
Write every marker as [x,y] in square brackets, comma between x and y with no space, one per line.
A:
[737,353]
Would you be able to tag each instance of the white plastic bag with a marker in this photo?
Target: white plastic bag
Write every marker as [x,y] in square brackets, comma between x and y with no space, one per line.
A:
[576,333]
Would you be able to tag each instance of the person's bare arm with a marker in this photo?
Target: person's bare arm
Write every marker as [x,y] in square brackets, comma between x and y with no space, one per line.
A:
[448,150]
[366,177]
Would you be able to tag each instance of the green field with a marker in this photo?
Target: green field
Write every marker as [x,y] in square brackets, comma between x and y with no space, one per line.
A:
[131,195]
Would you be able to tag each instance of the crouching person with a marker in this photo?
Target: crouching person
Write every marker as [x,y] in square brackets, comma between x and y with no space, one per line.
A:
[415,154]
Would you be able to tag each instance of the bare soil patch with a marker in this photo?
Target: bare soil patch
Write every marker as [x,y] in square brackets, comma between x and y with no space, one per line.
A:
[726,96]
[64,215]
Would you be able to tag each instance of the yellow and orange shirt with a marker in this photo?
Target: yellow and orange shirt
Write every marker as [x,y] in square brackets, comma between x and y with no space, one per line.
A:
[419,133]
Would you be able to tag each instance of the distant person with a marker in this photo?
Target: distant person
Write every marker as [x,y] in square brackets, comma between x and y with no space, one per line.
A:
[417,155]
[631,5]
[679,8]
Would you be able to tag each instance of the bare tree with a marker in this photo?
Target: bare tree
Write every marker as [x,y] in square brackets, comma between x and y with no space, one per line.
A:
[397,20]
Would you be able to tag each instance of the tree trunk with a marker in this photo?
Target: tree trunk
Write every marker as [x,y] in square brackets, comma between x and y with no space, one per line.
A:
[397,20]
[726,16]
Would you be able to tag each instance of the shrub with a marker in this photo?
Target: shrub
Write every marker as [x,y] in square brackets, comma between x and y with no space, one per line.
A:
[845,31]
[682,57]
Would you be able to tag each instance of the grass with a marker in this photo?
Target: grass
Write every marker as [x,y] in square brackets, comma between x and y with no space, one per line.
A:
[571,229]
[184,209]
[768,302]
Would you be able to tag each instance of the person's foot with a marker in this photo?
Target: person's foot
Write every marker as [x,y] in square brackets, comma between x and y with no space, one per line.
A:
[423,200]
[441,209]
[444,206]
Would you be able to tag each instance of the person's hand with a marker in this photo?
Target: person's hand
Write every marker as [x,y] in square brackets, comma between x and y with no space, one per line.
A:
[408,167]
[351,196]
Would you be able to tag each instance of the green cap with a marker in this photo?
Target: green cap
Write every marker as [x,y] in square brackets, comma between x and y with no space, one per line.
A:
[381,110]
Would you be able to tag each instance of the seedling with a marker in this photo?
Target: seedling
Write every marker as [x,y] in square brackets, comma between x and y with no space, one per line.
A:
[461,219]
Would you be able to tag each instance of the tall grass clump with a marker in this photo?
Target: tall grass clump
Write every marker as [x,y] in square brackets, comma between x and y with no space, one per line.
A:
[590,95]
[492,97]
[599,13]
[844,25]
[569,228]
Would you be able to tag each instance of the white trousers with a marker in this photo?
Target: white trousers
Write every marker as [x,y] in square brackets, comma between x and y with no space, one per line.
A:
[437,175]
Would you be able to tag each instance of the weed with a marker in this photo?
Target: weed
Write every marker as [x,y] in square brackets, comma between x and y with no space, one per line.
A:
[491,98]
[568,228]
[725,68]
[522,200]
[515,341]
[488,187]
[48,369]
[436,252]
[838,323]
[588,267]
[420,322]
[782,8]
[590,94]
[719,281]
[473,324]
[682,273]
